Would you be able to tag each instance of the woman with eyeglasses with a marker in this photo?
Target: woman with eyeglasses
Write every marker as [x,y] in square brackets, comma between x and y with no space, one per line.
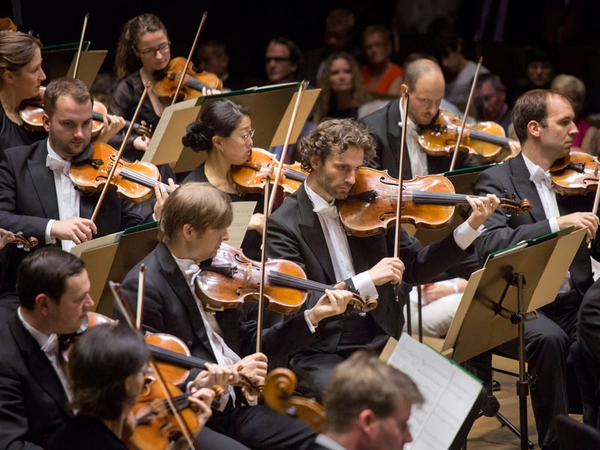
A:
[224,131]
[107,370]
[143,49]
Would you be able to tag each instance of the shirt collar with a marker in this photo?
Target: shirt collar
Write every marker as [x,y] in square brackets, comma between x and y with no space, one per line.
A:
[532,167]
[41,338]
[317,201]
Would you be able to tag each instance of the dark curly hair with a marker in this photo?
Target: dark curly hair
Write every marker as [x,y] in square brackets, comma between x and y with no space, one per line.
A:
[335,135]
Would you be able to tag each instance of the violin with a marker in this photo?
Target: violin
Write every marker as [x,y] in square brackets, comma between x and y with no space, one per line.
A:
[427,201]
[24,243]
[232,278]
[486,140]
[253,174]
[165,83]
[32,114]
[576,174]
[279,387]
[155,421]
[134,181]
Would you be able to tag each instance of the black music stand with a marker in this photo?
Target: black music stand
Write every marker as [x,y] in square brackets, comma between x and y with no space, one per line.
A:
[505,293]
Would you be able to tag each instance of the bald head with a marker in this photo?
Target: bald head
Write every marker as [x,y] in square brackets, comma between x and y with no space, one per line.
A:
[424,81]
[421,68]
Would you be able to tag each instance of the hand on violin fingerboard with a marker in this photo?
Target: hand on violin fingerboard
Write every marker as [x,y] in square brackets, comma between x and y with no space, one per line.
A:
[216,375]
[112,125]
[201,402]
[6,237]
[482,209]
[161,195]
[332,303]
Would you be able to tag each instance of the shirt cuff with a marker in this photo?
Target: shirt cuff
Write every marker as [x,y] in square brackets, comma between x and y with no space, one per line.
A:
[553,225]
[311,327]
[49,238]
[365,286]
[464,235]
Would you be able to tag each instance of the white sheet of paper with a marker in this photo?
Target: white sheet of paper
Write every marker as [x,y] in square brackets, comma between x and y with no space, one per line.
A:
[242,213]
[448,390]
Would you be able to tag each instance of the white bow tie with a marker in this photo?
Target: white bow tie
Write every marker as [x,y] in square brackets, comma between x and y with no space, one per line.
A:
[56,164]
[329,210]
[539,176]
[192,272]
[51,345]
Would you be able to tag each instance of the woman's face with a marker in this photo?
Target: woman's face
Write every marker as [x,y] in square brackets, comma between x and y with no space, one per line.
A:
[340,76]
[28,78]
[154,50]
[237,148]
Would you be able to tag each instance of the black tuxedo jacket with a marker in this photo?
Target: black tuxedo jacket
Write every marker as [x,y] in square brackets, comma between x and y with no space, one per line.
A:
[33,402]
[170,307]
[511,180]
[383,125]
[28,200]
[295,234]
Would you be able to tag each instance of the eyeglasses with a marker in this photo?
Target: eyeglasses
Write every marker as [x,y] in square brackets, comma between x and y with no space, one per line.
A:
[162,48]
[247,136]
[277,59]
[146,371]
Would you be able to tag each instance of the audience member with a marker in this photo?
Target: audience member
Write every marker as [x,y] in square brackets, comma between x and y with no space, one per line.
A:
[283,61]
[380,74]
[490,99]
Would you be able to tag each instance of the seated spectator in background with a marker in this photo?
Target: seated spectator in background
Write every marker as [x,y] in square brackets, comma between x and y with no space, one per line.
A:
[380,74]
[367,411]
[458,71]
[342,89]
[574,89]
[540,66]
[490,99]
[283,60]
[103,86]
[439,303]
[338,37]
[212,57]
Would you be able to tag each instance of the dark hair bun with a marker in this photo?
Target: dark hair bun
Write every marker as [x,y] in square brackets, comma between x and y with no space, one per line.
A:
[198,137]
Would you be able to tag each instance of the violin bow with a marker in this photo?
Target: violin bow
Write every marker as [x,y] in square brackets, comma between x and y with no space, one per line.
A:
[269,203]
[128,315]
[466,114]
[85,21]
[189,58]
[405,101]
[140,297]
[119,154]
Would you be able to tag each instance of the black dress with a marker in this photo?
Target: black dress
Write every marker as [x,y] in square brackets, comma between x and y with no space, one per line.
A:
[85,432]
[13,135]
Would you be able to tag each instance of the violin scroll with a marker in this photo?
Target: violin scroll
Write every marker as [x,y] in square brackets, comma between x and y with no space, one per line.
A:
[279,386]
[519,207]
[25,243]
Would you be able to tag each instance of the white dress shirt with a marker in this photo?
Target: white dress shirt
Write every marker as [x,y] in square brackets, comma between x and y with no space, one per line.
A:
[66,194]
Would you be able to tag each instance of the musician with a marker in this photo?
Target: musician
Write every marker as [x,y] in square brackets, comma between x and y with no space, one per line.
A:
[424,81]
[21,77]
[193,225]
[143,49]
[107,368]
[543,122]
[305,229]
[224,131]
[370,410]
[53,288]
[36,194]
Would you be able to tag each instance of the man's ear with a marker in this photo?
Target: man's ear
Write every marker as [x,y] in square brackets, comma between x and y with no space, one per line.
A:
[42,303]
[46,122]
[534,128]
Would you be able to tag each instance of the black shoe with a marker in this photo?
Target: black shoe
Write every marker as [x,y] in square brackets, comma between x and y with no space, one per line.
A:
[496,386]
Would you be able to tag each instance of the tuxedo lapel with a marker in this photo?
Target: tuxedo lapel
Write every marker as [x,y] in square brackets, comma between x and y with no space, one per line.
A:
[525,188]
[310,227]
[43,181]
[38,364]
[175,279]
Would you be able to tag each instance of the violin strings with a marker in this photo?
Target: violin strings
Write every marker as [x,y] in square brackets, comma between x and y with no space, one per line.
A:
[142,179]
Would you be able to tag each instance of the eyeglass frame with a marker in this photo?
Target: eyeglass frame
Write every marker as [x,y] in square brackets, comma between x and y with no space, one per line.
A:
[150,52]
[248,135]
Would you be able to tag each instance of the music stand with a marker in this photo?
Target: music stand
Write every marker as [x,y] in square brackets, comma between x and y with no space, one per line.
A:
[505,293]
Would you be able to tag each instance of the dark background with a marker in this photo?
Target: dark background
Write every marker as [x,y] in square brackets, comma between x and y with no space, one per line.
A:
[247,26]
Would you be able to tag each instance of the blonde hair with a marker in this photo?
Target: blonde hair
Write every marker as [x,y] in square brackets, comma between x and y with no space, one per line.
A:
[16,51]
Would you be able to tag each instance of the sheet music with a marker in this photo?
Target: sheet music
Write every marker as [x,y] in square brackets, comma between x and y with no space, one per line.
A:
[449,394]
[242,213]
